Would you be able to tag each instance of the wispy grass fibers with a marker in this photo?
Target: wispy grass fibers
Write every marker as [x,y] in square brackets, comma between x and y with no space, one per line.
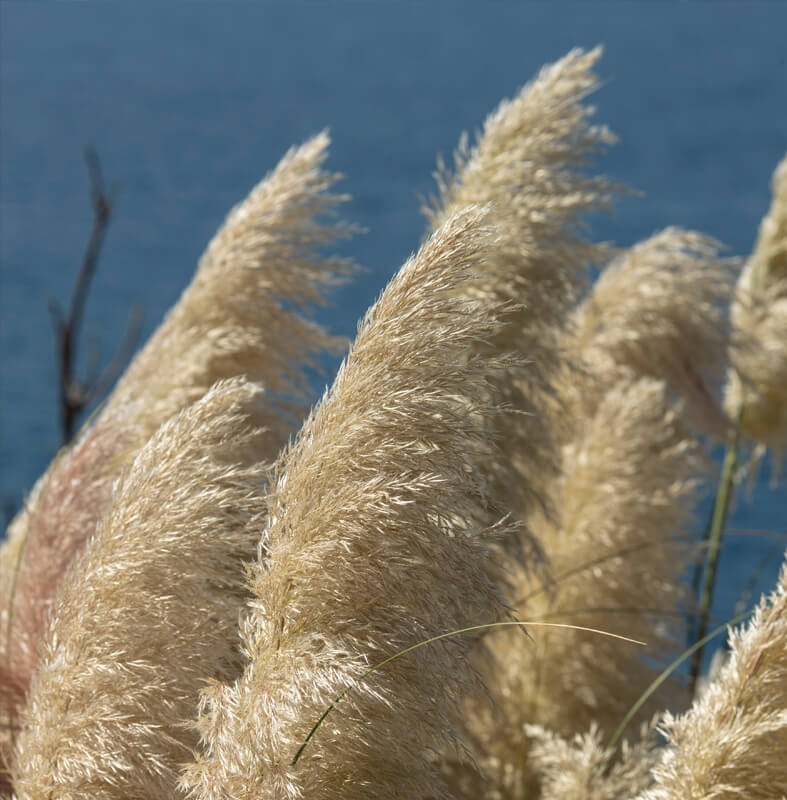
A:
[378,537]
[148,612]
[242,314]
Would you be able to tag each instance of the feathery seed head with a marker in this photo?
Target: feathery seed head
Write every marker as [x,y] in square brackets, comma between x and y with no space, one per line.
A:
[149,610]
[581,767]
[628,484]
[758,384]
[732,742]
[239,316]
[529,164]
[236,317]
[660,310]
[61,513]
[376,539]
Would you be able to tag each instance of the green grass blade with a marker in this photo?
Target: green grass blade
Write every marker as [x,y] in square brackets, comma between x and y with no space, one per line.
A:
[720,510]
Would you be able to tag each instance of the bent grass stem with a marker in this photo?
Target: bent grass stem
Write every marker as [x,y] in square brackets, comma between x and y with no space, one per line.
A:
[450,634]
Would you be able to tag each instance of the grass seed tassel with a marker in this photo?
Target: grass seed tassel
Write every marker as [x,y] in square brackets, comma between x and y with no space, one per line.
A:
[732,741]
[148,612]
[378,537]
[529,163]
[758,384]
[242,314]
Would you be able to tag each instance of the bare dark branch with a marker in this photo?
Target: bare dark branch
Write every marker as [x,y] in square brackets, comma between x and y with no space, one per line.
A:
[122,356]
[75,394]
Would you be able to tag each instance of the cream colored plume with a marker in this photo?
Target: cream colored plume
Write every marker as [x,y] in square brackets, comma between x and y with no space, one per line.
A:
[581,768]
[377,539]
[529,164]
[759,315]
[626,492]
[732,742]
[60,515]
[148,612]
[645,354]
[238,316]
[659,310]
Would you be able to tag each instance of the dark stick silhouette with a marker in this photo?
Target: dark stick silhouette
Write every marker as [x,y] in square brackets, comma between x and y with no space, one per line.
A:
[75,394]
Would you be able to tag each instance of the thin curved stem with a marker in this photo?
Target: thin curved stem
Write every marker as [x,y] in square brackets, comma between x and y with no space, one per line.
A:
[437,638]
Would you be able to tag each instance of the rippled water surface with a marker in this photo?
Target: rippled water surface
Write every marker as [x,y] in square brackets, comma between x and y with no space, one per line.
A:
[190,104]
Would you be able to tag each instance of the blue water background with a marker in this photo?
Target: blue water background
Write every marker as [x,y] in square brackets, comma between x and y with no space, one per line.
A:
[189,104]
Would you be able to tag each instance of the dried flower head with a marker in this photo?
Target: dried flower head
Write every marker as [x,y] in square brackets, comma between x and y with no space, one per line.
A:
[529,163]
[149,611]
[240,315]
[732,741]
[377,539]
[758,384]
[237,317]
[660,310]
[581,768]
[628,485]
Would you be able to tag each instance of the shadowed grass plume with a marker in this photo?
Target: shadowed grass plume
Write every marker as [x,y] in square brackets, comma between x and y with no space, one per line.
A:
[377,539]
[733,740]
[759,316]
[530,164]
[628,485]
[149,610]
[651,331]
[60,515]
[238,316]
[659,310]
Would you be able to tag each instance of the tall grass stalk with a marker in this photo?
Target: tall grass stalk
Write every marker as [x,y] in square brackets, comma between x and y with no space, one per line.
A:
[665,675]
[759,359]
[714,540]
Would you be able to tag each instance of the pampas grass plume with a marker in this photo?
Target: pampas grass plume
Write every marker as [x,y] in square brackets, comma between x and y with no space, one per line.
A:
[644,355]
[236,317]
[529,163]
[584,392]
[581,768]
[240,315]
[181,599]
[627,487]
[376,540]
[758,386]
[732,742]
[149,611]
[60,515]
[659,310]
